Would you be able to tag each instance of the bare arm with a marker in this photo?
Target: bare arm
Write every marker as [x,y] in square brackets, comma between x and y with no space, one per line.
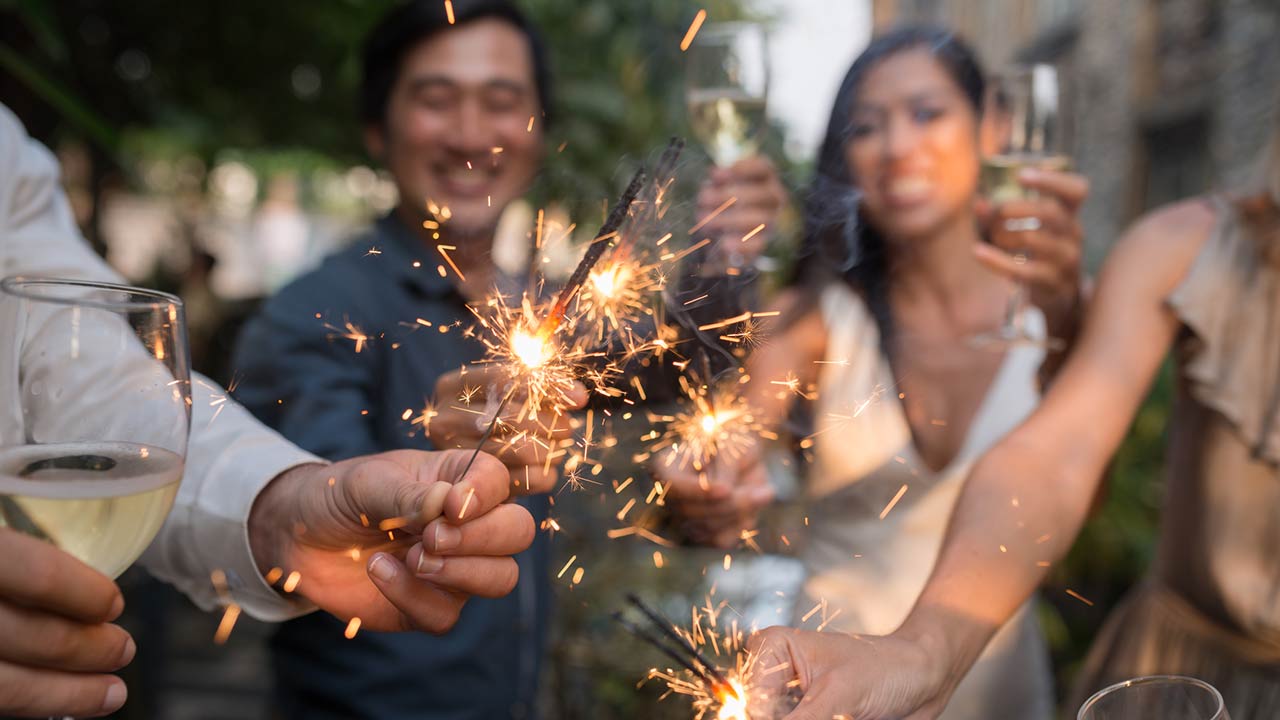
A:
[1029,495]
[1032,492]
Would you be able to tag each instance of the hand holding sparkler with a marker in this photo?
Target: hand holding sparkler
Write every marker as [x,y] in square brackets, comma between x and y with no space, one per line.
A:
[376,538]
[529,444]
[709,459]
[893,677]
[721,501]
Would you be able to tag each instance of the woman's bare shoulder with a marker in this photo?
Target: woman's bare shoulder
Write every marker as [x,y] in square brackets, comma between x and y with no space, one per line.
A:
[1181,226]
[1163,244]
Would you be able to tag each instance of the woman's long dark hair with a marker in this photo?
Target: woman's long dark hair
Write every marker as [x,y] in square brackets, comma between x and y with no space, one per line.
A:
[837,245]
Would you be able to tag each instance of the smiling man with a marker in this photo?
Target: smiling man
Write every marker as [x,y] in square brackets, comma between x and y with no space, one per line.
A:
[456,112]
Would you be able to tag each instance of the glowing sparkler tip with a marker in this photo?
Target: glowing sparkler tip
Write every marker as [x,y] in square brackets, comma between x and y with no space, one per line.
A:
[733,701]
[709,423]
[608,280]
[530,348]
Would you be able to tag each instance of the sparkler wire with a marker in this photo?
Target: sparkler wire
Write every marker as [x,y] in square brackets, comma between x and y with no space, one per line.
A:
[488,431]
[593,254]
[665,626]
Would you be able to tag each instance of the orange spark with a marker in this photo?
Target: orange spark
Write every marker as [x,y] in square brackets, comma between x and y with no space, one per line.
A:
[1079,597]
[693,30]
[442,249]
[228,622]
[723,206]
[901,491]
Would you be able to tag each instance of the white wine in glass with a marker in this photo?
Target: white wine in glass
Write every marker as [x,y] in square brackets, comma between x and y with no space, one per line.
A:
[93,433]
[1158,697]
[998,180]
[727,124]
[726,86]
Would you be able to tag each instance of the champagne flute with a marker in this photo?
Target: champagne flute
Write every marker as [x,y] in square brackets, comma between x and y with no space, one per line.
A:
[1158,697]
[95,389]
[726,85]
[1022,115]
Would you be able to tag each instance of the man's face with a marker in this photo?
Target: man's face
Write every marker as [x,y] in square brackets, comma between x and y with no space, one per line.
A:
[458,129]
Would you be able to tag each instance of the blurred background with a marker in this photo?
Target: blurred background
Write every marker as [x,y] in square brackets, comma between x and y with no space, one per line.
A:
[211,148]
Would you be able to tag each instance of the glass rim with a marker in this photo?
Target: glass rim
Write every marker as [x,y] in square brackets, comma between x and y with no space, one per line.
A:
[1153,680]
[137,298]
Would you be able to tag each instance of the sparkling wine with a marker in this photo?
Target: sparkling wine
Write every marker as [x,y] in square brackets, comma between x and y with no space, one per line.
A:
[726,122]
[102,502]
[999,178]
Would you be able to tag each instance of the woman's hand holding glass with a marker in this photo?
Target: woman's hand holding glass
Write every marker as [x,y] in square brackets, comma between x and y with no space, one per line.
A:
[741,205]
[1038,240]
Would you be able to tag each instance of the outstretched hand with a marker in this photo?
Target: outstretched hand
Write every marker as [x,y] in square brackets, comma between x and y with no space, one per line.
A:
[453,535]
[860,677]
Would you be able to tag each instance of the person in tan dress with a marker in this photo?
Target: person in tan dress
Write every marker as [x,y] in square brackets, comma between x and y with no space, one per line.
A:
[1200,277]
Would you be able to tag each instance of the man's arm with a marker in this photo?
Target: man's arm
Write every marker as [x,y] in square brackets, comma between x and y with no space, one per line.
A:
[1024,501]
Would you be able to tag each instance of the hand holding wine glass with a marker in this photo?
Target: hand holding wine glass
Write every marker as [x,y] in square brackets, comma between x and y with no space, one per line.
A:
[1029,203]
[60,646]
[93,437]
[726,86]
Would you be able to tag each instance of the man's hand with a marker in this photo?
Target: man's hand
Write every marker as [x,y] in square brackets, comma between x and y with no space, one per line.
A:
[57,645]
[719,503]
[1039,240]
[743,227]
[848,676]
[335,524]
[531,448]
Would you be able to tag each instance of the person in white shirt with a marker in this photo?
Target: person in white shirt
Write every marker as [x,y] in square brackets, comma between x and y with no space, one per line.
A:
[244,493]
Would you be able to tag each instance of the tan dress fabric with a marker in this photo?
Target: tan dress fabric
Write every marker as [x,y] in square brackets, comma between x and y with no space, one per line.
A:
[1211,606]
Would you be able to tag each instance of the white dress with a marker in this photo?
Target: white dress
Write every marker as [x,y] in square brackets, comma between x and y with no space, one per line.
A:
[869,569]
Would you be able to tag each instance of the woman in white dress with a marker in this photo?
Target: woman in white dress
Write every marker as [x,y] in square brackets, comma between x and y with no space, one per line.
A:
[893,282]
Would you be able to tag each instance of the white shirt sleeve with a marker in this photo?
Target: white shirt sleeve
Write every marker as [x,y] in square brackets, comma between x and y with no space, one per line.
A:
[230,457]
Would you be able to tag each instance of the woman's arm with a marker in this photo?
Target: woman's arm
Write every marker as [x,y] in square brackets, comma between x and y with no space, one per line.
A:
[1024,501]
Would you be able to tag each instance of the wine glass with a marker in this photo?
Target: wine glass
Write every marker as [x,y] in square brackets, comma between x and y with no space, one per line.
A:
[1158,697]
[726,85]
[95,406]
[1023,120]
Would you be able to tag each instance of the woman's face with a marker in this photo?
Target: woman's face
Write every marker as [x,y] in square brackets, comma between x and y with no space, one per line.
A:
[913,146]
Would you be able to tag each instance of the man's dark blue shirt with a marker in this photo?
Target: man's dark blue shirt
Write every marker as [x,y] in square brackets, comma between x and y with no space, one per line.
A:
[299,372]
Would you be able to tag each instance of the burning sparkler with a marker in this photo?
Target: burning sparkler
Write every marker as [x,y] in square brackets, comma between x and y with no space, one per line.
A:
[716,421]
[537,361]
[730,694]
